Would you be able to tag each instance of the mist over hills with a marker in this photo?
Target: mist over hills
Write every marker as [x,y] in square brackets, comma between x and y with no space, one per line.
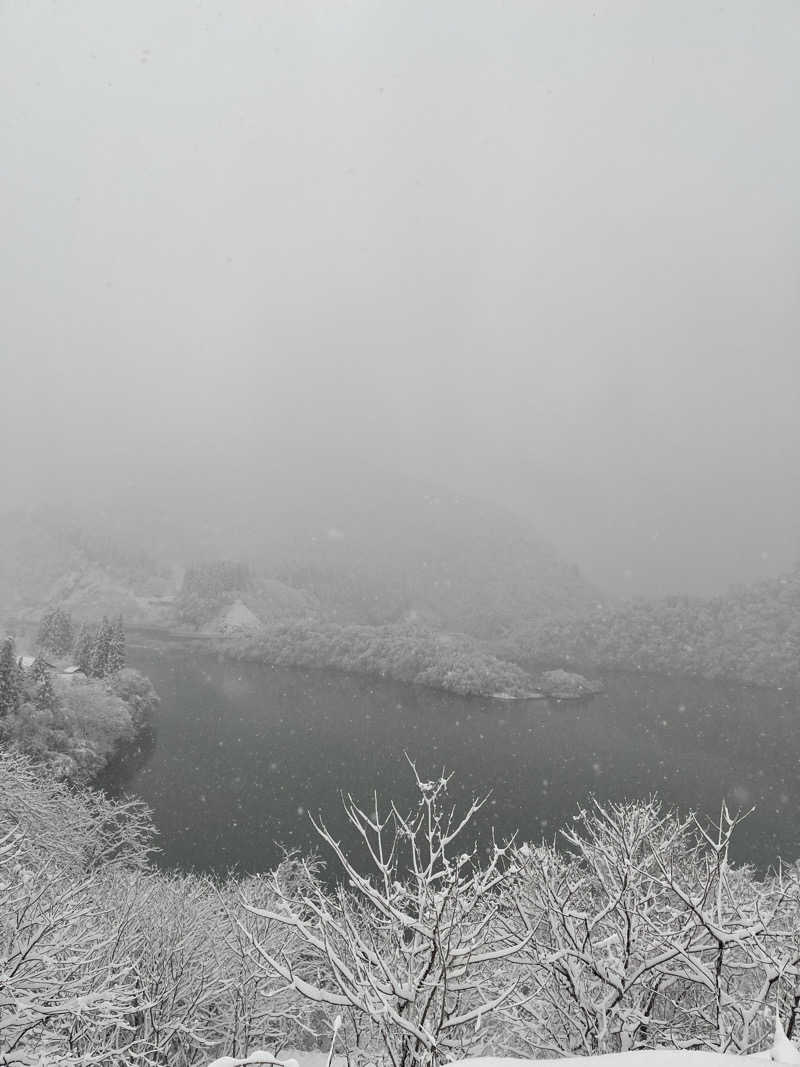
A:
[49,559]
[749,635]
[373,548]
[370,549]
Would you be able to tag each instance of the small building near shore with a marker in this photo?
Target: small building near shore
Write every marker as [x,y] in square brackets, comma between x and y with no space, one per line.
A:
[26,662]
[72,672]
[69,670]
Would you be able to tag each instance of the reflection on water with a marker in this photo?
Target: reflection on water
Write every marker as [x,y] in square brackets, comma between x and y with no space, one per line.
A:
[243,753]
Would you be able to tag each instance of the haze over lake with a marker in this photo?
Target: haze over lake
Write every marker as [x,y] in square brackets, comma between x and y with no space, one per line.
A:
[243,754]
[389,389]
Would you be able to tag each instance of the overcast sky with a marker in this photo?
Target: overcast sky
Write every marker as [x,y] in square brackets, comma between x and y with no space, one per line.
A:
[547,252]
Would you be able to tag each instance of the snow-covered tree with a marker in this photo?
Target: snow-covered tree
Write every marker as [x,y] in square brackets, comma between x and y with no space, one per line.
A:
[409,952]
[10,679]
[115,659]
[45,695]
[83,649]
[63,998]
[101,649]
[267,1012]
[39,669]
[55,632]
[645,936]
[149,972]
[65,990]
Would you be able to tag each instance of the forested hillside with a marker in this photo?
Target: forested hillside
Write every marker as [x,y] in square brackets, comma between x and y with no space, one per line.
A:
[49,558]
[405,548]
[751,634]
[405,555]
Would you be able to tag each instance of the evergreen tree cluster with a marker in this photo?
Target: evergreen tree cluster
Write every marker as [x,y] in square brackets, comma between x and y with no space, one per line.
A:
[209,587]
[100,651]
[56,632]
[44,695]
[73,725]
[10,679]
[406,653]
[18,687]
[217,578]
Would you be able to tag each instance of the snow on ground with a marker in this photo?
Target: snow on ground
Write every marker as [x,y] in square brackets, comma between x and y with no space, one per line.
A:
[288,1057]
[655,1058]
[782,1052]
[237,619]
[651,1058]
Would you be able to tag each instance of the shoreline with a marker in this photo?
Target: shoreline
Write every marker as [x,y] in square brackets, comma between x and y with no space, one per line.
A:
[228,648]
[237,649]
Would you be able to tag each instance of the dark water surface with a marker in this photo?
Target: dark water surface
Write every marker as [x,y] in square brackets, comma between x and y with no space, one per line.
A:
[242,753]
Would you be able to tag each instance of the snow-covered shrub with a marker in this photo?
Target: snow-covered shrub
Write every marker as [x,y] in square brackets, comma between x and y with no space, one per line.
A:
[172,935]
[645,937]
[267,1012]
[137,691]
[64,991]
[77,831]
[636,933]
[63,995]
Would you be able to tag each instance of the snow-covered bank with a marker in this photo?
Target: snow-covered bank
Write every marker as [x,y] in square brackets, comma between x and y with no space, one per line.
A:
[782,1051]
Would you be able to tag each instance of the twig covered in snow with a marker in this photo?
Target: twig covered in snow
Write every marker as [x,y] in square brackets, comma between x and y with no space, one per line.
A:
[413,947]
[644,935]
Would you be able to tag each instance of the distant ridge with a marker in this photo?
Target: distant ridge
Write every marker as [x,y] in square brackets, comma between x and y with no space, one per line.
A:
[371,549]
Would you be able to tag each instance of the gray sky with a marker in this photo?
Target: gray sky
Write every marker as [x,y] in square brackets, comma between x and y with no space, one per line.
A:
[543,251]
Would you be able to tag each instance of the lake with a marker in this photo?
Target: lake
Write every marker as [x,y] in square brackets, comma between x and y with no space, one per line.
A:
[242,753]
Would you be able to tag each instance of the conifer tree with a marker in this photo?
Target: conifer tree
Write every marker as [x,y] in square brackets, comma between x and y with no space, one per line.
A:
[83,650]
[38,669]
[44,634]
[55,632]
[115,660]
[101,649]
[45,697]
[121,640]
[10,680]
[64,635]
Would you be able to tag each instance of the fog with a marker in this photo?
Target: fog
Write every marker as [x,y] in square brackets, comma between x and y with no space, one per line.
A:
[543,253]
